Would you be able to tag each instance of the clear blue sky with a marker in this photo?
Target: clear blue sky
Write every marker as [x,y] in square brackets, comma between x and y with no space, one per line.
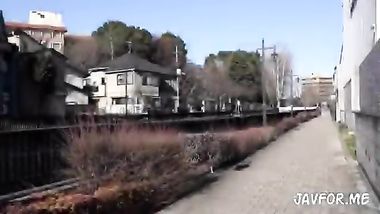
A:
[310,29]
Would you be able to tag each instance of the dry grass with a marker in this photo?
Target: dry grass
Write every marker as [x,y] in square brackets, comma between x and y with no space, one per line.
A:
[123,153]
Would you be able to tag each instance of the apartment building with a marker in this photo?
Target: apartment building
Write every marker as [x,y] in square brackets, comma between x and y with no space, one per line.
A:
[46,30]
[322,86]
[45,27]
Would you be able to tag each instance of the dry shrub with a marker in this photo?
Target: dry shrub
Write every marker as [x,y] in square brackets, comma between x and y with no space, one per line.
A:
[223,148]
[142,170]
[201,148]
[123,153]
[303,117]
[249,140]
[285,125]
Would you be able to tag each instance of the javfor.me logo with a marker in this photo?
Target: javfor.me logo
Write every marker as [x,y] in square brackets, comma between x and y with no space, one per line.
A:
[331,198]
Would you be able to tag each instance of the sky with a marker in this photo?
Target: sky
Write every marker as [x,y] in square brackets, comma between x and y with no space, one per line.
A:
[310,30]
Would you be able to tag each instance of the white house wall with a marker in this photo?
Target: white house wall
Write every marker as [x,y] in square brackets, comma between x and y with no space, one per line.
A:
[74,80]
[95,79]
[358,40]
[115,90]
[78,98]
[135,89]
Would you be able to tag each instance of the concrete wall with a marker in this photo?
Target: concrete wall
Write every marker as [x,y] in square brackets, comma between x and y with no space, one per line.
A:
[368,146]
[356,85]
[349,117]
[358,39]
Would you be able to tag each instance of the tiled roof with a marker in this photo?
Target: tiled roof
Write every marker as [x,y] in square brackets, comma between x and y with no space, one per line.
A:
[131,61]
[26,26]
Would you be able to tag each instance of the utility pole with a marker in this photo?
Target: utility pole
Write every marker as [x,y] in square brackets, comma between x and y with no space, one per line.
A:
[274,55]
[263,82]
[179,73]
[126,81]
[111,46]
[263,91]
[291,92]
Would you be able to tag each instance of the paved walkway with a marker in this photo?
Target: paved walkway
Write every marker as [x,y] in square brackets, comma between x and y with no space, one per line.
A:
[308,159]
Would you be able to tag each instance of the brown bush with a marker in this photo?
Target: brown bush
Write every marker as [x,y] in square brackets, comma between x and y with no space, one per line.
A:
[123,153]
[139,170]
[223,148]
[285,125]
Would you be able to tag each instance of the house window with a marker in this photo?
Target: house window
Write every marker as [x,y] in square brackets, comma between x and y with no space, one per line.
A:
[55,34]
[121,101]
[103,81]
[144,80]
[56,46]
[37,33]
[121,79]
[150,80]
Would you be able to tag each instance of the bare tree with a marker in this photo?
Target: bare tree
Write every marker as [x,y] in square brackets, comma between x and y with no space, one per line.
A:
[278,76]
[270,83]
[284,66]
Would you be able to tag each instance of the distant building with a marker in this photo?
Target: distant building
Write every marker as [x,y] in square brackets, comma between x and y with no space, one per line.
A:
[132,85]
[45,27]
[76,94]
[322,87]
[46,30]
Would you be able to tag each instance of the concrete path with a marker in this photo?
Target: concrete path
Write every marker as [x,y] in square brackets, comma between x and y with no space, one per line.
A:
[309,159]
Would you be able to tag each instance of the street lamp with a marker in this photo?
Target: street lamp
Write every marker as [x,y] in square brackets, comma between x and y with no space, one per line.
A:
[178,74]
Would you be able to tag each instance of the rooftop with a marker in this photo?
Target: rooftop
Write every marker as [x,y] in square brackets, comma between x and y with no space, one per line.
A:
[26,26]
[132,61]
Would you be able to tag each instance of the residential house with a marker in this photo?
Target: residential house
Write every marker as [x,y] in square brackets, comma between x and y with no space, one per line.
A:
[76,93]
[132,85]
[357,81]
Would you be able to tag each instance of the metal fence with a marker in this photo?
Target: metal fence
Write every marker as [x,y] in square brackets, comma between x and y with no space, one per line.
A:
[30,157]
[33,156]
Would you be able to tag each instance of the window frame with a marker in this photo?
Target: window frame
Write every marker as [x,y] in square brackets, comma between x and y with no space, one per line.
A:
[126,80]
[148,80]
[56,43]
[129,100]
